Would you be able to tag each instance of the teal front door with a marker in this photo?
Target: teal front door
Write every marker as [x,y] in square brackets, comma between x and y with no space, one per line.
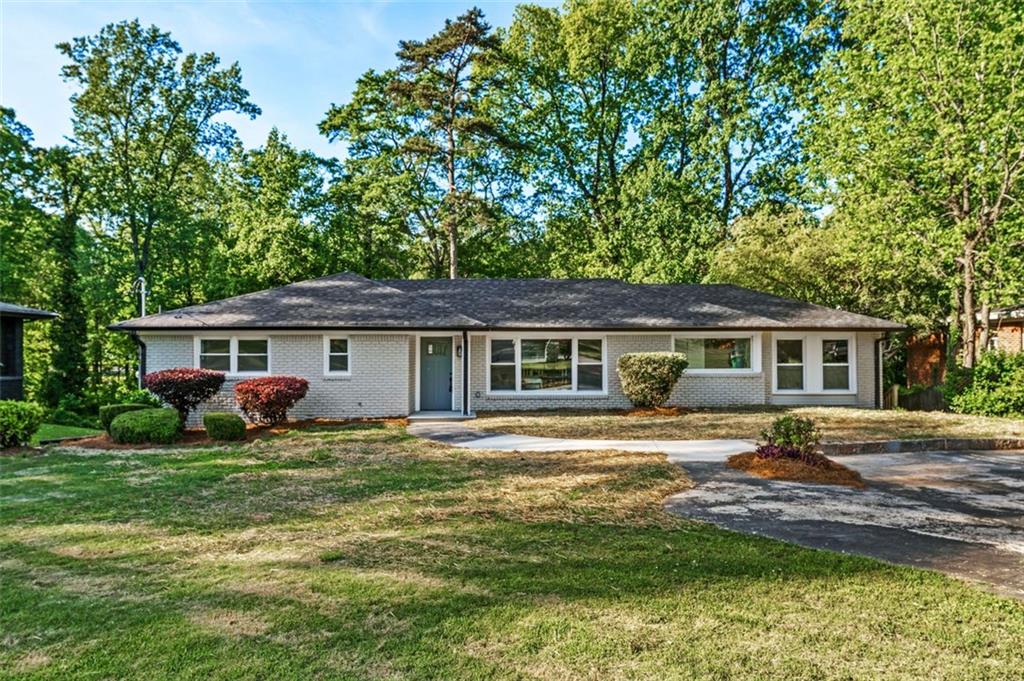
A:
[435,374]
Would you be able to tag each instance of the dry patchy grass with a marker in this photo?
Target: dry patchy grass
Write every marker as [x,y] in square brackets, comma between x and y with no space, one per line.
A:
[838,424]
[362,553]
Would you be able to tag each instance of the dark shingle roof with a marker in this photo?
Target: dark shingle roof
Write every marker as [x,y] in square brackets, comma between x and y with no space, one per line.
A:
[351,301]
[337,301]
[22,312]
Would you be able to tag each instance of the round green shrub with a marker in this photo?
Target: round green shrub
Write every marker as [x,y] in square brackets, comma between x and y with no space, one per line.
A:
[111,411]
[160,426]
[792,437]
[19,421]
[224,426]
[648,377]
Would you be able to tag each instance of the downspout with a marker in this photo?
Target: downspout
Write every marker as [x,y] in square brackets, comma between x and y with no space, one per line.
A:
[465,373]
[142,357]
[879,373]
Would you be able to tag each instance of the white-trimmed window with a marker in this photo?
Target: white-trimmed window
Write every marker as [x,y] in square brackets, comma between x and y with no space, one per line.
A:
[503,364]
[835,364]
[337,360]
[719,353]
[236,355]
[820,362]
[789,364]
[215,354]
[546,365]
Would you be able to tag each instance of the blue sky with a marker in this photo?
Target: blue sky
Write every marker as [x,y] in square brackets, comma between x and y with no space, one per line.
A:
[296,57]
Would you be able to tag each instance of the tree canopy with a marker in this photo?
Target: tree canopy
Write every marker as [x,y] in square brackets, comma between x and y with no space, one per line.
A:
[860,154]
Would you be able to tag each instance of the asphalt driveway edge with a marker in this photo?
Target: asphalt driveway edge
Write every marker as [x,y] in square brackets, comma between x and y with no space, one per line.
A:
[927,445]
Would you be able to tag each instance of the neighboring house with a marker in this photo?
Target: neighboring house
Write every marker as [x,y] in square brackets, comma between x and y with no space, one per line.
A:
[12,363]
[926,355]
[400,347]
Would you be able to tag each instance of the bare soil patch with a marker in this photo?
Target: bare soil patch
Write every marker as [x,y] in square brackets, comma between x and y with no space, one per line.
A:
[828,473]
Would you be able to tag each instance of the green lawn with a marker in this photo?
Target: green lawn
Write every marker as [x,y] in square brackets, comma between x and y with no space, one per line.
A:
[52,431]
[362,553]
[837,424]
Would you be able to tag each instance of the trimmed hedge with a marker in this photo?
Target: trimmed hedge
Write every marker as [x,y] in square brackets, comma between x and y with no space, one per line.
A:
[19,421]
[159,426]
[267,400]
[110,412]
[648,377]
[224,426]
[184,389]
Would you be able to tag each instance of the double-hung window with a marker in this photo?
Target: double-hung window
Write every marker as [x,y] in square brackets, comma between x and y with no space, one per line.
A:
[234,355]
[215,354]
[835,364]
[336,356]
[789,364]
[252,356]
[558,364]
[503,364]
[818,362]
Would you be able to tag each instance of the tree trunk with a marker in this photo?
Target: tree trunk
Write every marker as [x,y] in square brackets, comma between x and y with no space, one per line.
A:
[986,328]
[969,318]
[453,227]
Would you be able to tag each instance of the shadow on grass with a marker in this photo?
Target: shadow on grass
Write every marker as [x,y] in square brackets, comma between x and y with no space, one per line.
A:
[361,553]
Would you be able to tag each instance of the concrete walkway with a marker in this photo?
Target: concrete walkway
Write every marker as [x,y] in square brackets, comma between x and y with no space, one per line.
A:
[677,451]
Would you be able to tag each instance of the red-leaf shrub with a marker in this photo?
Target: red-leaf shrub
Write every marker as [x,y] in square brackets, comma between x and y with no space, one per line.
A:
[267,400]
[184,389]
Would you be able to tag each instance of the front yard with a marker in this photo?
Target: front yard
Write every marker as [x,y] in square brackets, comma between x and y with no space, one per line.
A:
[362,553]
[836,423]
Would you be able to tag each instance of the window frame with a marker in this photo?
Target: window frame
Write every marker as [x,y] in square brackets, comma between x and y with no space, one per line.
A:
[755,351]
[848,364]
[328,373]
[803,364]
[554,334]
[233,350]
[814,361]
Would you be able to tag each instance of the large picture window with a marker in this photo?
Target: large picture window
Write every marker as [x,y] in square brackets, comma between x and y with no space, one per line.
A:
[233,355]
[721,353]
[546,365]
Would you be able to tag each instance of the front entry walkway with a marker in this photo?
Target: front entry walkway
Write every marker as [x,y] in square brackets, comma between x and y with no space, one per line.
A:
[678,451]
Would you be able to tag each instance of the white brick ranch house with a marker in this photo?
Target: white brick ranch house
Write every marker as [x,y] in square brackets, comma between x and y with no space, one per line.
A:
[404,347]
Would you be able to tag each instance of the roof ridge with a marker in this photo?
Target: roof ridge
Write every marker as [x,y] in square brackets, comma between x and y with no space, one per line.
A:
[185,310]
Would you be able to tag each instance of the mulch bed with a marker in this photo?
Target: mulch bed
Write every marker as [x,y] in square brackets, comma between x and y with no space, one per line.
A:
[828,473]
[195,437]
[656,411]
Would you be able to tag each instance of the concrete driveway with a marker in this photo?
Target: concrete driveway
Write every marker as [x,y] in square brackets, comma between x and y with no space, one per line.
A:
[961,513]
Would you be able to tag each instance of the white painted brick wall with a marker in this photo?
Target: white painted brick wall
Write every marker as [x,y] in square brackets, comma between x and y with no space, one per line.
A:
[378,385]
[384,377]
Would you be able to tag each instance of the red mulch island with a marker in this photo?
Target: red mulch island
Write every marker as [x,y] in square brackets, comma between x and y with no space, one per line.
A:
[828,472]
[197,436]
